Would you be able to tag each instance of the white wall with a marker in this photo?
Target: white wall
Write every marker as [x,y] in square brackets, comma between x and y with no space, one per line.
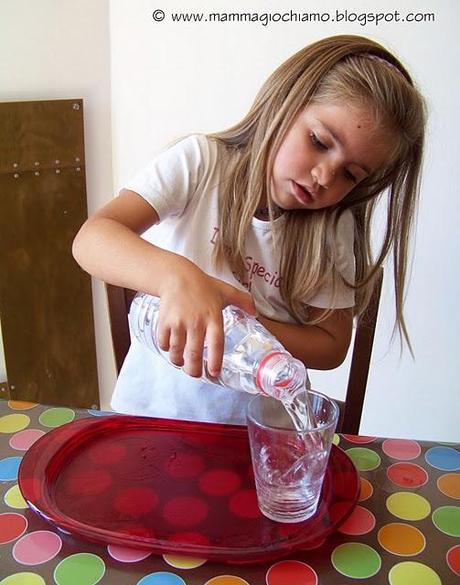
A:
[60,49]
[171,78]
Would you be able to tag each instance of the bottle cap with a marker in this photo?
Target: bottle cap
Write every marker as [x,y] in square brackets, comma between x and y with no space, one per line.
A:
[268,377]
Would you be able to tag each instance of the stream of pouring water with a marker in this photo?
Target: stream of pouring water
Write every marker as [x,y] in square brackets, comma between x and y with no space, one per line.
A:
[300,411]
[303,419]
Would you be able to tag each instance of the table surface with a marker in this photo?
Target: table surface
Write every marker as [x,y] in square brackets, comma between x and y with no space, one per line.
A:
[404,531]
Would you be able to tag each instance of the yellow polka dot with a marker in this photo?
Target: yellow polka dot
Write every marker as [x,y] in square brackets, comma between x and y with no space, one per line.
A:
[23,579]
[336,439]
[13,498]
[408,506]
[12,423]
[21,404]
[412,573]
[181,562]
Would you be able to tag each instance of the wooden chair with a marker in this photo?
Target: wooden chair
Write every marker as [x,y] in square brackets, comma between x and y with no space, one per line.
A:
[119,301]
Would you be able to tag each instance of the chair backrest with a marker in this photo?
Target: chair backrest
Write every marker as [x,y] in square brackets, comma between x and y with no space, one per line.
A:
[119,301]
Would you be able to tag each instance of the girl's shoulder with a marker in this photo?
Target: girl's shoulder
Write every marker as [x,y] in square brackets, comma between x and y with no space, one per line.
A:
[343,226]
[197,147]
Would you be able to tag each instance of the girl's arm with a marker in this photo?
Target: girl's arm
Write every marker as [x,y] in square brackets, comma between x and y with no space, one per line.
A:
[321,347]
[109,247]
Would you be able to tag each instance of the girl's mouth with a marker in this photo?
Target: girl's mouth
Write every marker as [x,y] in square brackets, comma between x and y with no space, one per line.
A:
[301,194]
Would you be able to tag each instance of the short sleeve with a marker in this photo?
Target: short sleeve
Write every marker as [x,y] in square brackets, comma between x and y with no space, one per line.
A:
[345,263]
[170,180]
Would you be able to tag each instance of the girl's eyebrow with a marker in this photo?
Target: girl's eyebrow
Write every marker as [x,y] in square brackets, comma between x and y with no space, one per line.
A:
[340,141]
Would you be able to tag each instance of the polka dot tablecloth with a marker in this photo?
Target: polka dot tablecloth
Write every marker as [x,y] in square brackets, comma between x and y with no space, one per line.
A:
[404,531]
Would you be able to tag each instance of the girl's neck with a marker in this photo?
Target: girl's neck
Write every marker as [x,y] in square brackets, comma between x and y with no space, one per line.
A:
[263,213]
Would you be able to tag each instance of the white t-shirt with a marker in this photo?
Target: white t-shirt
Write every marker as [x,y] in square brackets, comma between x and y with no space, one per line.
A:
[182,185]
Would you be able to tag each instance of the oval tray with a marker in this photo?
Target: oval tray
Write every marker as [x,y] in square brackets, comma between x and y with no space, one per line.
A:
[172,487]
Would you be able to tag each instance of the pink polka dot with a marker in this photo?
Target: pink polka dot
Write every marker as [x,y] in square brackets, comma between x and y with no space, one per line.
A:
[359,440]
[12,526]
[184,465]
[190,538]
[361,521]
[106,454]
[135,501]
[407,475]
[219,482]
[89,483]
[291,573]
[244,504]
[127,555]
[37,547]
[404,449]
[24,439]
[185,511]
[453,559]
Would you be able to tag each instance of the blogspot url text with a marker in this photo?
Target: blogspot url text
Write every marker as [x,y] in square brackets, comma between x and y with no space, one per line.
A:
[266,18]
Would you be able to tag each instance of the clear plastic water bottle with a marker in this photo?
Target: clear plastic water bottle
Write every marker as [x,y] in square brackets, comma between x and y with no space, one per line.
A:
[254,360]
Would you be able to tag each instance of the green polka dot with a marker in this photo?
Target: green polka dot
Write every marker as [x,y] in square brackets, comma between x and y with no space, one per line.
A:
[411,573]
[80,569]
[364,459]
[23,579]
[408,506]
[336,439]
[12,423]
[55,417]
[447,520]
[356,560]
[13,498]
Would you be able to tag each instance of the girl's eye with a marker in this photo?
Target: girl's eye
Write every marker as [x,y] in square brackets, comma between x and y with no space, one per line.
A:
[316,142]
[350,176]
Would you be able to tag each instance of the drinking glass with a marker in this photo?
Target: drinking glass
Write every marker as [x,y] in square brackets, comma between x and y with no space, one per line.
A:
[289,464]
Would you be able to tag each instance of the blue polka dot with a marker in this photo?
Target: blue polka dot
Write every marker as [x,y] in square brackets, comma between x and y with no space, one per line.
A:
[9,468]
[99,412]
[444,458]
[161,578]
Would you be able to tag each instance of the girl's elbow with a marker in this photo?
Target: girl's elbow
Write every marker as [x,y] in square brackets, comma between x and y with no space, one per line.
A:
[333,358]
[80,246]
[337,360]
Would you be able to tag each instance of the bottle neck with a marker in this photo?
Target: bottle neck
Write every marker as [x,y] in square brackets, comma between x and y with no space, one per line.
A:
[281,376]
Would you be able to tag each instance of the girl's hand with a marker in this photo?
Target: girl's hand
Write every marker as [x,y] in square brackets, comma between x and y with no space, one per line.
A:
[191,314]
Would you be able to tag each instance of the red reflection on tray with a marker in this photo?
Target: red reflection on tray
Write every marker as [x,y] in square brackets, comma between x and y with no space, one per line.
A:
[170,487]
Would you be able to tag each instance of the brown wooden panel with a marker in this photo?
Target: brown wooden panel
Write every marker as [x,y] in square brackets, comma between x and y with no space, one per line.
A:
[45,299]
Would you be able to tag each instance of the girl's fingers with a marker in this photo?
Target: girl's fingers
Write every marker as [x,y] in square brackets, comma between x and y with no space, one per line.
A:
[163,336]
[176,346]
[193,353]
[215,345]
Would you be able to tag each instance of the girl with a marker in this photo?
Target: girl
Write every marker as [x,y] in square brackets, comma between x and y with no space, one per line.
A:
[273,215]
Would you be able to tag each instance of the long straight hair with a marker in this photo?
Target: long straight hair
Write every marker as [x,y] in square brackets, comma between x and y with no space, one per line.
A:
[342,69]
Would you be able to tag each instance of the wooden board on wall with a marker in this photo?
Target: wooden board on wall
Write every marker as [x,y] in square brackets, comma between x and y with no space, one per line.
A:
[45,298]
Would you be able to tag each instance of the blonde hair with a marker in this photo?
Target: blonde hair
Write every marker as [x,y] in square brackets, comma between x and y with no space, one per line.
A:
[341,69]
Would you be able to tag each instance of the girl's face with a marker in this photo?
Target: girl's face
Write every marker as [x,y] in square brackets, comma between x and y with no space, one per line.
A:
[329,150]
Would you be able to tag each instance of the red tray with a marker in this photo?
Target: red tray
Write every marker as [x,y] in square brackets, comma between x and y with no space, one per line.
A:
[170,487]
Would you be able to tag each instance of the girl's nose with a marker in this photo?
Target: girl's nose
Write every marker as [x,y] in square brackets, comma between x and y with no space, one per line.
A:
[323,175]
